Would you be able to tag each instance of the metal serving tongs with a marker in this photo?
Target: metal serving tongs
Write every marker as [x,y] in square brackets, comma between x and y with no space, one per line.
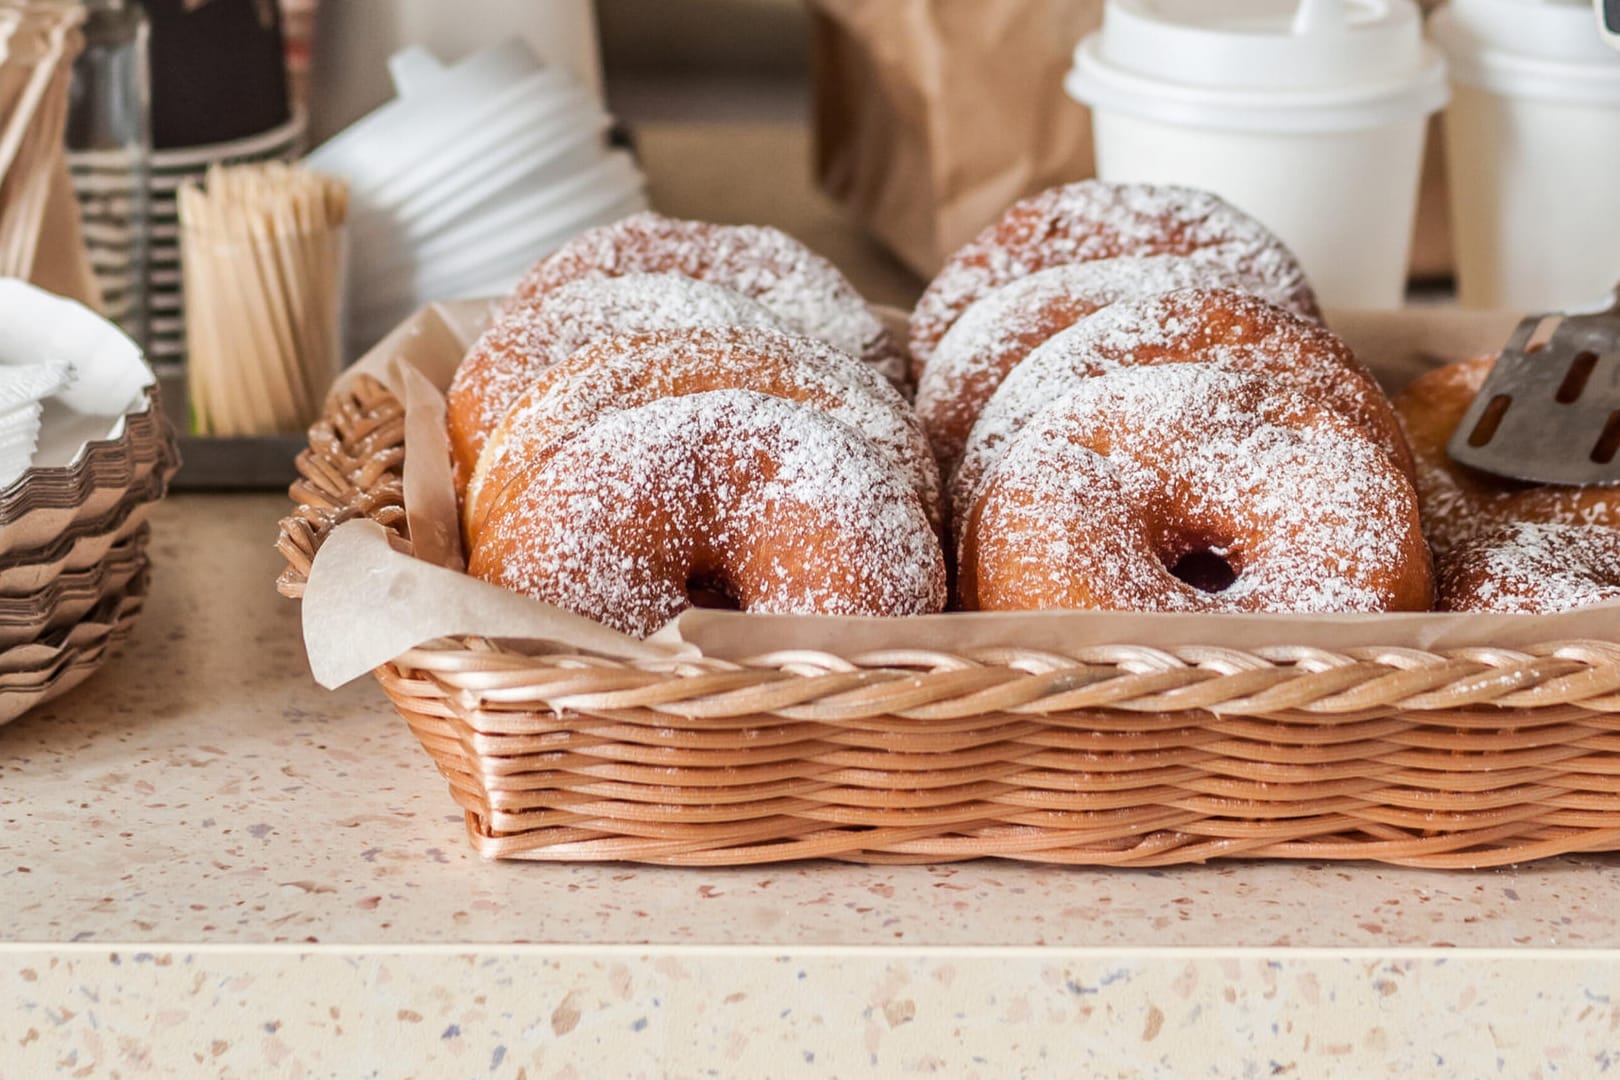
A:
[1549,412]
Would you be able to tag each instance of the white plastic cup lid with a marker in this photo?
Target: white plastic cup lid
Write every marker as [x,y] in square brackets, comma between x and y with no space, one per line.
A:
[1546,49]
[1261,65]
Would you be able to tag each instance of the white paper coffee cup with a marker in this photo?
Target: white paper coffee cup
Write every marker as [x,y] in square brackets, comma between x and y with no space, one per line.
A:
[1532,152]
[1309,115]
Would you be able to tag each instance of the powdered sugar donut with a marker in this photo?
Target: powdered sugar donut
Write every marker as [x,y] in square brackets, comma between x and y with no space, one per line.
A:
[772,505]
[1190,488]
[627,370]
[1231,330]
[1000,330]
[528,339]
[805,291]
[1532,568]
[1091,220]
[1459,503]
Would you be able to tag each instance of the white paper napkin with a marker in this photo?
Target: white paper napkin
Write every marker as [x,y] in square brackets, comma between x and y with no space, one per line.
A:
[67,377]
[23,389]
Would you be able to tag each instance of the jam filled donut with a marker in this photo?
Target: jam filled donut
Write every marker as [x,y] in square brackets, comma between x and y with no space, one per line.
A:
[525,341]
[805,291]
[1532,568]
[1000,330]
[1092,220]
[1190,488]
[1231,330]
[628,370]
[771,505]
[1459,503]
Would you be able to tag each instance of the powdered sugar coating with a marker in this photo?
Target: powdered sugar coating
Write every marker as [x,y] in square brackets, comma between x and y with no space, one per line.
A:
[1459,504]
[1002,328]
[1232,330]
[785,507]
[1129,472]
[805,291]
[626,370]
[529,338]
[1090,220]
[1532,568]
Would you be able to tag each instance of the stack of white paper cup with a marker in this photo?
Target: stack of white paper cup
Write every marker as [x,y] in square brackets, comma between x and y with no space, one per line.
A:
[1533,152]
[470,174]
[1308,114]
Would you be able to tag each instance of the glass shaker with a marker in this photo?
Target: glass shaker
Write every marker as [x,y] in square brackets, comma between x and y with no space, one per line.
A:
[109,145]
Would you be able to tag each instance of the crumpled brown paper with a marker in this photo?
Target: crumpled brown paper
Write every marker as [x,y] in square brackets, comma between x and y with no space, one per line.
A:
[366,603]
[931,116]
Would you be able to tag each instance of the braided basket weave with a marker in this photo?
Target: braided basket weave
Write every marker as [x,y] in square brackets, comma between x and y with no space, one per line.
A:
[1122,755]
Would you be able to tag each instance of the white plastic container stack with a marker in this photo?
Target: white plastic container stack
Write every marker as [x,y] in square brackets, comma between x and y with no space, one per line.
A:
[472,173]
[1532,152]
[1308,114]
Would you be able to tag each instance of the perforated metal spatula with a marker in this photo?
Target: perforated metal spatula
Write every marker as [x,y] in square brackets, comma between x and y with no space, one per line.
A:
[1550,411]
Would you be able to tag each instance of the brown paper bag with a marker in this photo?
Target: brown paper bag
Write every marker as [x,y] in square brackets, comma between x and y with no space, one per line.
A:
[1431,242]
[40,235]
[62,261]
[932,115]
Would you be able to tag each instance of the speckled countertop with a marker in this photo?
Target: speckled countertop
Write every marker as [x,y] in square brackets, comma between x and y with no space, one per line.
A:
[202,789]
[211,867]
[200,835]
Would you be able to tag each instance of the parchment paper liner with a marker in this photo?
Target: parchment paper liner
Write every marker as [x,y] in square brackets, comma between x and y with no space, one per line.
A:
[81,548]
[69,597]
[32,663]
[33,674]
[366,603]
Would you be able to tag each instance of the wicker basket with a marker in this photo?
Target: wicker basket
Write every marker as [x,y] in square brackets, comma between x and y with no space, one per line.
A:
[1123,755]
